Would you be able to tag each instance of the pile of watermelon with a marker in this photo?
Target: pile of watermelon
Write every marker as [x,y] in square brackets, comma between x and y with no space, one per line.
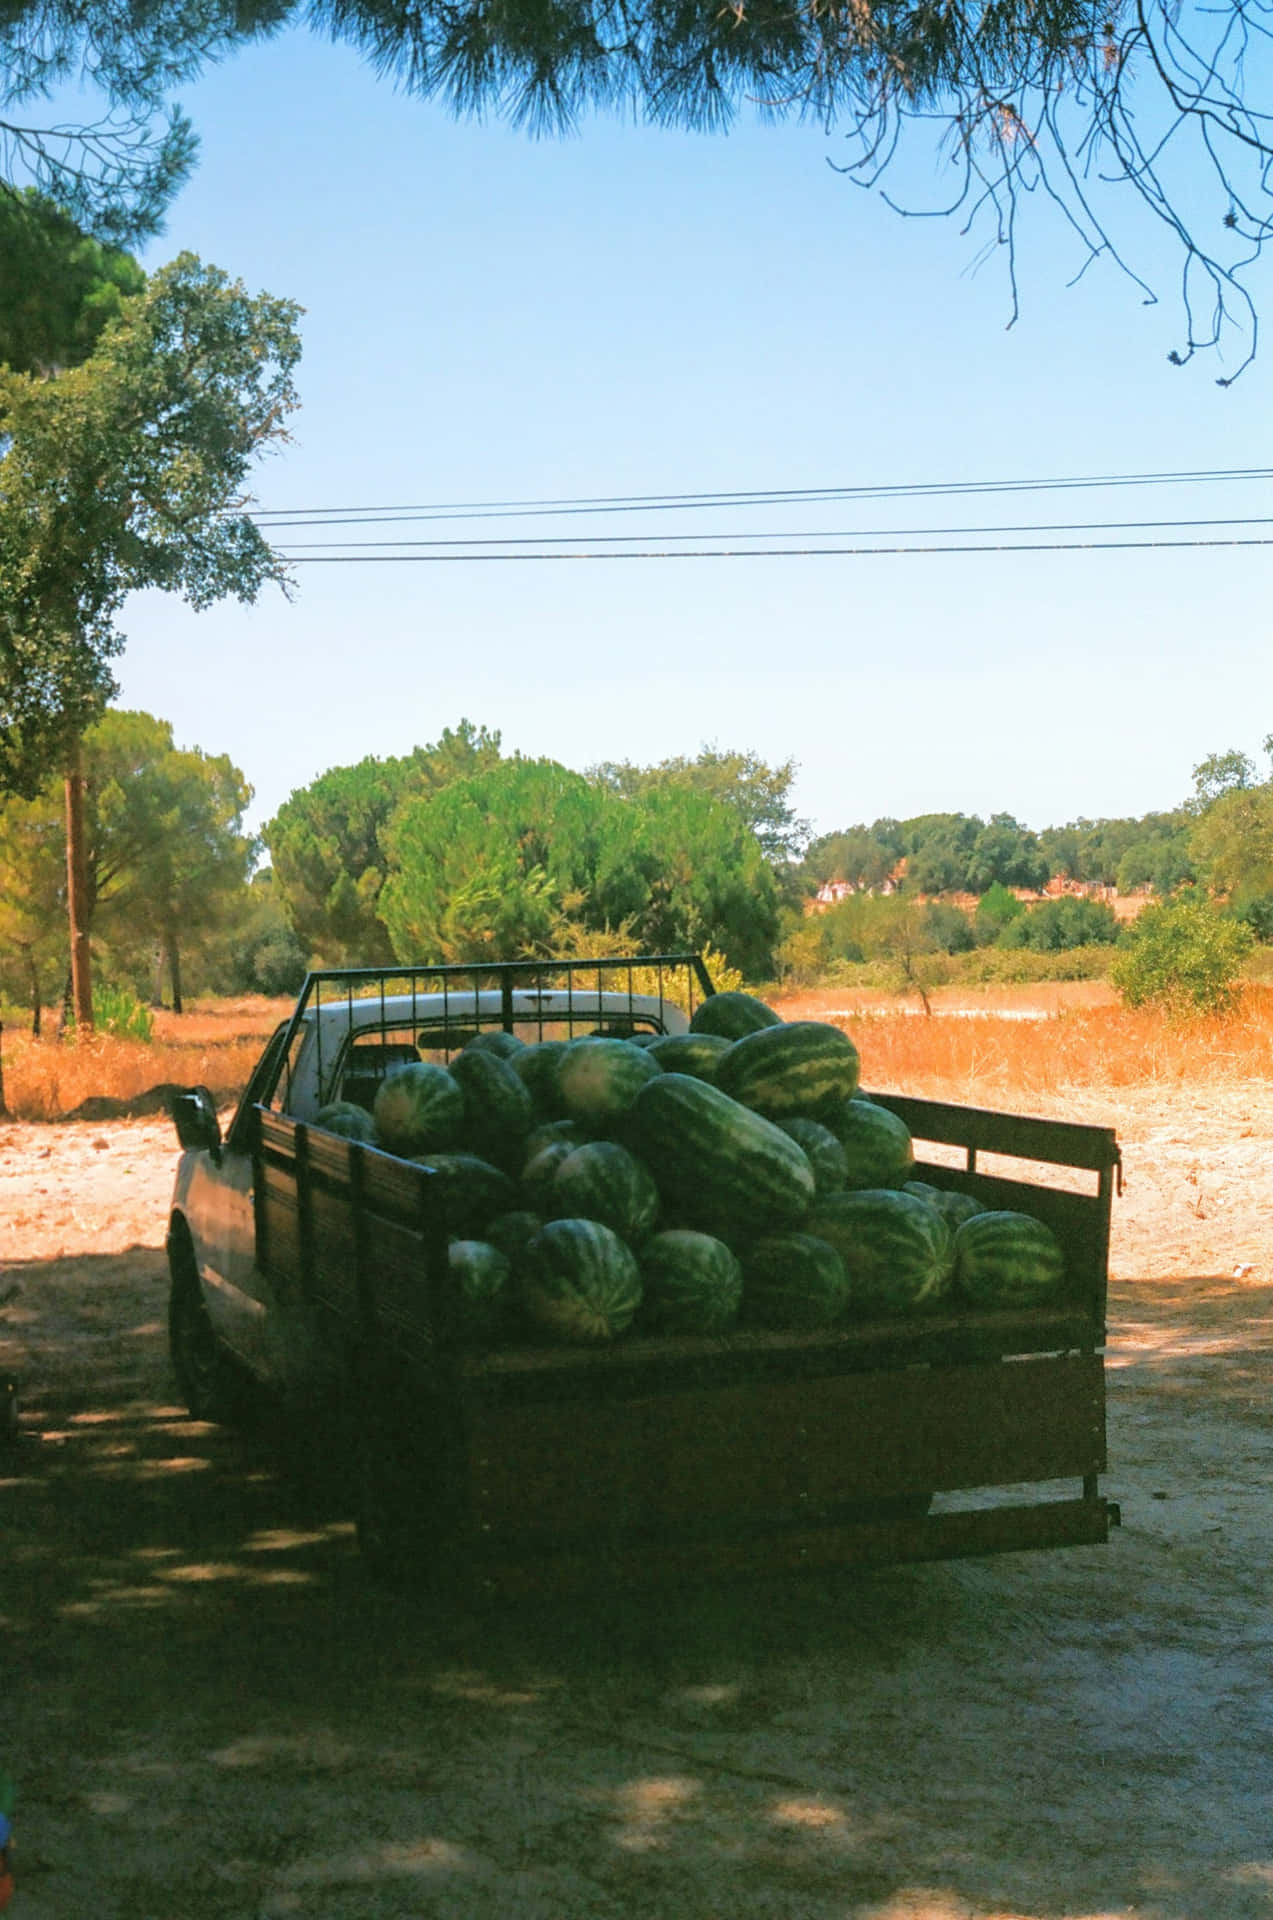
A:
[734,1175]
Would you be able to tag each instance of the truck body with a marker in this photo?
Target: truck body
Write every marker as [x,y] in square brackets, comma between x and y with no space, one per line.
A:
[319,1262]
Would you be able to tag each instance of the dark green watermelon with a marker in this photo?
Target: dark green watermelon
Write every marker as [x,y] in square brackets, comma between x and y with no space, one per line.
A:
[599,1079]
[580,1282]
[536,1066]
[1007,1259]
[539,1173]
[794,1280]
[732,1014]
[953,1206]
[348,1119]
[498,1113]
[481,1291]
[695,1053]
[693,1283]
[717,1164]
[824,1151]
[418,1107]
[878,1150]
[495,1040]
[803,1067]
[513,1232]
[550,1132]
[896,1249]
[466,1191]
[603,1181]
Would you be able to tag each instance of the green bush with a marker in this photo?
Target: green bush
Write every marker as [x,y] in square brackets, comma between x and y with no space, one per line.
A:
[118,1011]
[1184,956]
[1057,925]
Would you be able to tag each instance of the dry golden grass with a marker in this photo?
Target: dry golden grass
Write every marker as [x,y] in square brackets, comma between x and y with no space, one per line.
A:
[215,1045]
[987,1053]
[992,1052]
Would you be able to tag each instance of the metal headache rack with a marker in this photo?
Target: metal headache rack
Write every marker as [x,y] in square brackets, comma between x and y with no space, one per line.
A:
[393,1014]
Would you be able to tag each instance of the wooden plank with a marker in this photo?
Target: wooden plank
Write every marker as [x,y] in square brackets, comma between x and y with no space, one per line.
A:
[1052,1523]
[1062,1142]
[777,1447]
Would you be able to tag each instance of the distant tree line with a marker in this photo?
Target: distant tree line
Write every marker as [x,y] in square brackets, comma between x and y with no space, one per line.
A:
[459,851]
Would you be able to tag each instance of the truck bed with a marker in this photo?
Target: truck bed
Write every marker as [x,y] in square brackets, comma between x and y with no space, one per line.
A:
[538,1467]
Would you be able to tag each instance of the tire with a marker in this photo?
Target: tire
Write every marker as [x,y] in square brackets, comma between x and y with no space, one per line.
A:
[207,1376]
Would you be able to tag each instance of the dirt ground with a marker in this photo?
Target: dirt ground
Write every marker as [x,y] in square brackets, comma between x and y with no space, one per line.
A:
[209,1713]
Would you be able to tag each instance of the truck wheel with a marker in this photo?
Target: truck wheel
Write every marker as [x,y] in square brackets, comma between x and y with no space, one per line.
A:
[205,1372]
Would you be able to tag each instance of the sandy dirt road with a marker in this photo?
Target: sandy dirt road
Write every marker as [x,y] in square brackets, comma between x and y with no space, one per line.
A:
[210,1715]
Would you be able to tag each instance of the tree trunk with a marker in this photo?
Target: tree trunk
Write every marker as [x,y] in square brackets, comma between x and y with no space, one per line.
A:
[172,949]
[37,998]
[77,904]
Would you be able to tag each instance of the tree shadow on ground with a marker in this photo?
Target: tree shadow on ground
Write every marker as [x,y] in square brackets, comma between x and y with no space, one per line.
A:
[211,1712]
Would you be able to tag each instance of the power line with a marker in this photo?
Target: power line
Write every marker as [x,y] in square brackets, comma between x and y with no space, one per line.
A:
[847,533]
[755,553]
[279,518]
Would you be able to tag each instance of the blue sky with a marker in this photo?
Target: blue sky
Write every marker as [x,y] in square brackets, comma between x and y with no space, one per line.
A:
[632,311]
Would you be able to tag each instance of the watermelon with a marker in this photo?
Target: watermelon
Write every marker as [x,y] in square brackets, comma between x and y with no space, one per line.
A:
[695,1053]
[717,1164]
[603,1181]
[513,1232]
[466,1191]
[539,1173]
[732,1014]
[953,1206]
[417,1107]
[480,1288]
[877,1145]
[495,1040]
[693,1283]
[536,1067]
[348,1119]
[825,1154]
[794,1280]
[804,1067]
[551,1132]
[580,1282]
[600,1079]
[896,1249]
[1007,1259]
[498,1113]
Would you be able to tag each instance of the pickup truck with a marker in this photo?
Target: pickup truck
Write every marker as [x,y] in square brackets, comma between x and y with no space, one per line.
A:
[317,1264]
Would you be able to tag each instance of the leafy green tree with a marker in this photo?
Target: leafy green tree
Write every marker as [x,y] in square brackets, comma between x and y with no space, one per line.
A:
[1017,89]
[1221,773]
[327,842]
[939,849]
[481,868]
[1232,842]
[61,287]
[1184,956]
[997,908]
[126,472]
[758,793]
[166,855]
[861,856]
[32,901]
[1056,926]
[1006,853]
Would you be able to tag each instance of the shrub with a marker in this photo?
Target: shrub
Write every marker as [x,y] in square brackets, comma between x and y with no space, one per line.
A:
[1056,925]
[120,1013]
[1185,957]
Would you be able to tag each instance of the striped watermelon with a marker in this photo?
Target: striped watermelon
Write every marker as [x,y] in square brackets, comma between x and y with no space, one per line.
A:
[693,1282]
[536,1067]
[495,1040]
[877,1145]
[551,1132]
[539,1173]
[498,1113]
[1007,1259]
[580,1282]
[603,1181]
[513,1232]
[480,1280]
[794,1280]
[599,1079]
[825,1154]
[718,1164]
[348,1119]
[694,1053]
[803,1067]
[733,1015]
[417,1107]
[466,1191]
[953,1206]
[896,1249]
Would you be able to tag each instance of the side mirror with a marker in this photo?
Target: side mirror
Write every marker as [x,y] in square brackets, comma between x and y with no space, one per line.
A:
[195,1113]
